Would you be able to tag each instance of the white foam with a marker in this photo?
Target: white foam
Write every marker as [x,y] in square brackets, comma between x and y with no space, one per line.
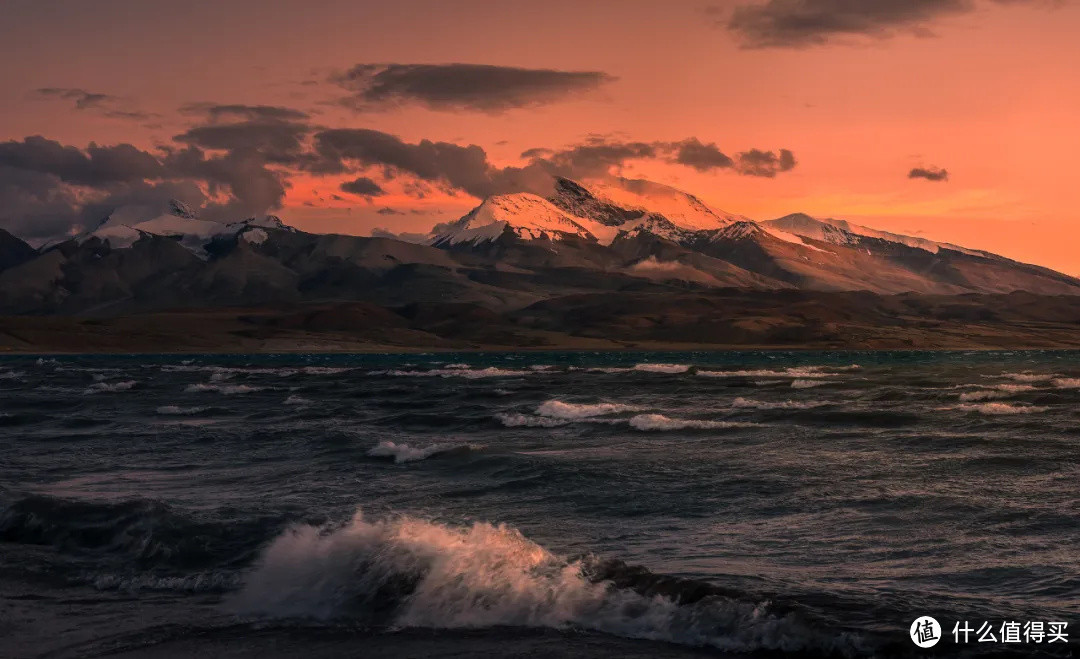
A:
[662,368]
[996,409]
[517,420]
[776,405]
[1029,377]
[995,392]
[806,384]
[110,387]
[11,375]
[429,575]
[650,422]
[793,372]
[490,372]
[405,453]
[297,400]
[227,389]
[1066,383]
[557,409]
[174,410]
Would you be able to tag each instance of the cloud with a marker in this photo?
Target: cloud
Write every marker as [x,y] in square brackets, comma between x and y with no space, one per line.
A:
[94,166]
[217,111]
[363,186]
[105,104]
[804,23]
[702,157]
[475,87]
[389,211]
[764,163]
[929,173]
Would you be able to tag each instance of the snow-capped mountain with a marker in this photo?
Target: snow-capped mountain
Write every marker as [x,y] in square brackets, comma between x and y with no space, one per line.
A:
[842,232]
[523,215]
[176,220]
[510,252]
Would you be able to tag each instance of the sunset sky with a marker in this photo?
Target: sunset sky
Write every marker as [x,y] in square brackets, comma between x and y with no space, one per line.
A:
[953,120]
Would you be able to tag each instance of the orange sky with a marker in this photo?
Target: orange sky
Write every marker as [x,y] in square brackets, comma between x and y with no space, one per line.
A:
[993,97]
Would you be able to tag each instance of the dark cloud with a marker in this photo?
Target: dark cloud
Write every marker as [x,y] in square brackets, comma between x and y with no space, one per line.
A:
[389,211]
[279,142]
[94,166]
[478,87]
[764,163]
[702,157]
[363,186]
[84,100]
[217,111]
[929,173]
[105,104]
[803,23]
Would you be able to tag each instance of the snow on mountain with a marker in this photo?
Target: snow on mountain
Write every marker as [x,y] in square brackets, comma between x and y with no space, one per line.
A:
[128,224]
[842,232]
[528,216]
[684,210]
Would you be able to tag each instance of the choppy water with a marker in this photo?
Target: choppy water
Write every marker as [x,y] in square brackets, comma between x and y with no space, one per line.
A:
[812,503]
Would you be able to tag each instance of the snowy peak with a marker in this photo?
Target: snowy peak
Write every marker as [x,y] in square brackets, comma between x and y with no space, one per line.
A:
[842,232]
[527,216]
[626,203]
[175,220]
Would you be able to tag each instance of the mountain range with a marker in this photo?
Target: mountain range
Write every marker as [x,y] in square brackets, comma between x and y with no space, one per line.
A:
[511,255]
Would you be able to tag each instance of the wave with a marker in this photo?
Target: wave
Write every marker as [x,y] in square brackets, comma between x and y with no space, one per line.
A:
[490,372]
[135,534]
[662,368]
[806,384]
[995,392]
[174,410]
[407,572]
[405,453]
[227,389]
[793,372]
[557,409]
[12,375]
[518,420]
[110,387]
[652,422]
[741,402]
[1028,376]
[997,409]
[298,400]
[1066,383]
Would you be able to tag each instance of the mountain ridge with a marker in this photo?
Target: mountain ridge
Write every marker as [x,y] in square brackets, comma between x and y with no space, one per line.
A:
[509,252]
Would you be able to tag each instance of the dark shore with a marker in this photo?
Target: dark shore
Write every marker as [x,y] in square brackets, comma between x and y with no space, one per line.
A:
[727,319]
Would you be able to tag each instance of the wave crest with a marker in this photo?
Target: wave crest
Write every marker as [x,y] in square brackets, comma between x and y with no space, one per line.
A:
[413,573]
[405,453]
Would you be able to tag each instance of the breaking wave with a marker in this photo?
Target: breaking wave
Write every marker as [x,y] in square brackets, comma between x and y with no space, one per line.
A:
[741,402]
[997,409]
[1029,377]
[806,384]
[175,410]
[405,453]
[650,422]
[518,420]
[110,387]
[406,572]
[793,372]
[1066,383]
[297,400]
[457,371]
[662,368]
[557,409]
[995,392]
[227,389]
